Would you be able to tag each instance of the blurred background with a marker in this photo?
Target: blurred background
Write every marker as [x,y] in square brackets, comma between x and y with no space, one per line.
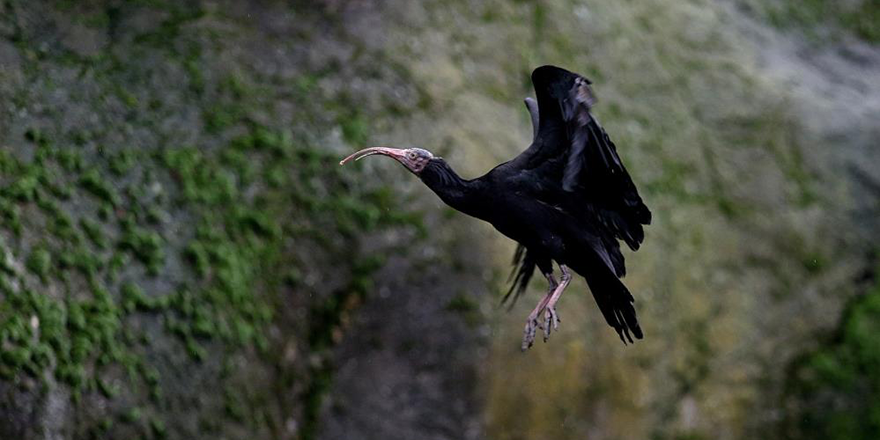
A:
[181,256]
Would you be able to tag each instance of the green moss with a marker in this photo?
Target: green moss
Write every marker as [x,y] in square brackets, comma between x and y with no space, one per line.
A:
[60,191]
[133,298]
[258,223]
[201,180]
[93,232]
[122,162]
[158,428]
[694,371]
[221,117]
[10,216]
[247,204]
[233,405]
[196,253]
[62,227]
[16,357]
[105,212]
[814,263]
[292,277]
[36,136]
[73,375]
[39,262]
[81,260]
[196,77]
[834,390]
[860,17]
[49,206]
[25,188]
[355,128]
[322,379]
[466,307]
[461,304]
[70,160]
[147,246]
[93,182]
[9,165]
[133,415]
[107,390]
[727,206]
[195,350]
[127,98]
[260,138]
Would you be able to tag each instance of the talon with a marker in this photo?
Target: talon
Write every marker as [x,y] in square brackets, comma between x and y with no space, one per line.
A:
[544,314]
[548,328]
[529,334]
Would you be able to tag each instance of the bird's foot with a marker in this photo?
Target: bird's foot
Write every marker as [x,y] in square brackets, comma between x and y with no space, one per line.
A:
[529,333]
[551,322]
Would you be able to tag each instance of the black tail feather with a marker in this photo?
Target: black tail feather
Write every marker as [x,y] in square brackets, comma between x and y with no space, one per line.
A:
[615,302]
[523,269]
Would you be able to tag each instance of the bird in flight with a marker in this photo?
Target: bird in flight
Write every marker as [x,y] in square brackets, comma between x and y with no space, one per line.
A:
[567,198]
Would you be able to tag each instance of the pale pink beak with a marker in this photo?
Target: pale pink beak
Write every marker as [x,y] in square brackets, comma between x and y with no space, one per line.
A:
[393,152]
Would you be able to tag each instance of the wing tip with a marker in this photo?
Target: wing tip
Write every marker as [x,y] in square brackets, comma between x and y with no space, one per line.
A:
[549,72]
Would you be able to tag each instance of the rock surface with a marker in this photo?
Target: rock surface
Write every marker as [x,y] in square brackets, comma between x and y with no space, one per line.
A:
[183,258]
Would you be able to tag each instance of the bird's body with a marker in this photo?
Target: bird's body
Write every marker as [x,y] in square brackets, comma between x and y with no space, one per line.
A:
[567,198]
[512,202]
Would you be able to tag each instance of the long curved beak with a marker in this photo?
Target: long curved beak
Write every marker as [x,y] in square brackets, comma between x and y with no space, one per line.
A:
[393,152]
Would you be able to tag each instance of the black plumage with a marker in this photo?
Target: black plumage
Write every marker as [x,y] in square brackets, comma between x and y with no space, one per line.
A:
[567,198]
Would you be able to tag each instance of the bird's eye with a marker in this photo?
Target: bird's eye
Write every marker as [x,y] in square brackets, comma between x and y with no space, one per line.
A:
[411,155]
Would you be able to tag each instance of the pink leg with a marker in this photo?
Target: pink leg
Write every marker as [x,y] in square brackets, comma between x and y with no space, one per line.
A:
[532,321]
[551,318]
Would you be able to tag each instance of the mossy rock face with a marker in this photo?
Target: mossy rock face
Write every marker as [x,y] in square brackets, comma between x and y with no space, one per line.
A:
[181,253]
[833,392]
[820,19]
[178,243]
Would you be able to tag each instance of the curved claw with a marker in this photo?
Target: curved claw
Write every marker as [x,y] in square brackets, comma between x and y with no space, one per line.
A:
[551,322]
[548,327]
[529,334]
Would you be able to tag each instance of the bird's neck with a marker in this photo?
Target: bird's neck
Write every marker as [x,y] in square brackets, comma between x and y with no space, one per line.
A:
[458,193]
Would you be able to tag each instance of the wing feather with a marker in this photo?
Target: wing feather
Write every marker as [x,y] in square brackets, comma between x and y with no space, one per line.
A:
[576,168]
[571,139]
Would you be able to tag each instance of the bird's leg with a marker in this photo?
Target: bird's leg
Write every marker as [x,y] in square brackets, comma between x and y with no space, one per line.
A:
[551,318]
[532,321]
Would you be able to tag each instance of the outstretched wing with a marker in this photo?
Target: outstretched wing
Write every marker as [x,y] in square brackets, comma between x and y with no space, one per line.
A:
[572,149]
